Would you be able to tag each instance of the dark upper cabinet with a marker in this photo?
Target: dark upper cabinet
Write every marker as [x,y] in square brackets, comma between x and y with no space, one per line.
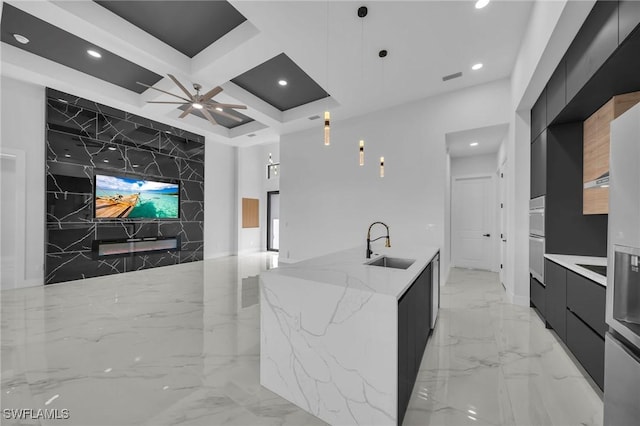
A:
[539,115]
[555,277]
[557,92]
[629,18]
[539,165]
[595,42]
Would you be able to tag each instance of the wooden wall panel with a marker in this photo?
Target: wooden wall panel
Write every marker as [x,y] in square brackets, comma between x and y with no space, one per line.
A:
[250,213]
[596,150]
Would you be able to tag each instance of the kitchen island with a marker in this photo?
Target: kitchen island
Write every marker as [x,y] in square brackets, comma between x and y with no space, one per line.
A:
[343,339]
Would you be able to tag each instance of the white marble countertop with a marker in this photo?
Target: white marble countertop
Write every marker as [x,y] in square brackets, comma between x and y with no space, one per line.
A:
[348,268]
[571,262]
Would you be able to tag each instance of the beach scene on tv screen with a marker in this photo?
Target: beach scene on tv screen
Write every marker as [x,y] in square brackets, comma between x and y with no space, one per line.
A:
[121,197]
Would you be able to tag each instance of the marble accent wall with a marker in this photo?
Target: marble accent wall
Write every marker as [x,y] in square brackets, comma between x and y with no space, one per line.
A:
[84,137]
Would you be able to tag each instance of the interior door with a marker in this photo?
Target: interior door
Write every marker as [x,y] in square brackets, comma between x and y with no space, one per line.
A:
[472,222]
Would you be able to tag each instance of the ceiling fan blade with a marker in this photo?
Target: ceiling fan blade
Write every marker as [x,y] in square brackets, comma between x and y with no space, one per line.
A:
[163,91]
[211,93]
[224,114]
[186,112]
[163,102]
[184,89]
[215,104]
[209,116]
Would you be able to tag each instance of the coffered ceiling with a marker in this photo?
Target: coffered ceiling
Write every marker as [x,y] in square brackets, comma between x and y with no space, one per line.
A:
[246,47]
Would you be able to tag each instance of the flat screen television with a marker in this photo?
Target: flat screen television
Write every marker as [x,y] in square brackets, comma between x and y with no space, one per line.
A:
[131,197]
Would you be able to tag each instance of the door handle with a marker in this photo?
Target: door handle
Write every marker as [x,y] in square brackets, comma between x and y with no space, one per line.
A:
[486,235]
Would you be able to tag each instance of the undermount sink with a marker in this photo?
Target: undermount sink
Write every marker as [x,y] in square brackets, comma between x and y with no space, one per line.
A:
[391,262]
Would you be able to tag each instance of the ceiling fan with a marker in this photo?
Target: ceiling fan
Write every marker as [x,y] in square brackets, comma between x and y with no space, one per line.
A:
[203,103]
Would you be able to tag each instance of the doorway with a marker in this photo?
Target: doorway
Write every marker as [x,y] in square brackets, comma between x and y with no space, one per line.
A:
[273,221]
[472,222]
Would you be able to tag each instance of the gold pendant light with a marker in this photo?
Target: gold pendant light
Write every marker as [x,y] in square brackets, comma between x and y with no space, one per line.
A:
[381,167]
[327,128]
[362,153]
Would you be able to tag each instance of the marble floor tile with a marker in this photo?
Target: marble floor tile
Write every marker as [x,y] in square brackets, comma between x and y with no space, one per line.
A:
[179,345]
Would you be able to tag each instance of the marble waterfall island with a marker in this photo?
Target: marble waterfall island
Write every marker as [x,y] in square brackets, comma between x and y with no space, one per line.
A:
[333,329]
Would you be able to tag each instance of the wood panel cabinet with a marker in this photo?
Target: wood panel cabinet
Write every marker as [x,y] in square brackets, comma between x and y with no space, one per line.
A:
[414,326]
[555,277]
[596,151]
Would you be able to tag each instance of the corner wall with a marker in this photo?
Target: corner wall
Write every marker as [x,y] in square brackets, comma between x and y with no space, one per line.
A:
[328,200]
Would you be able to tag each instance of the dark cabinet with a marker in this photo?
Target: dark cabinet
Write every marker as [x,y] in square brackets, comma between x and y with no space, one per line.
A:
[587,300]
[555,277]
[556,92]
[537,295]
[587,346]
[539,115]
[414,325]
[594,43]
[629,18]
[539,166]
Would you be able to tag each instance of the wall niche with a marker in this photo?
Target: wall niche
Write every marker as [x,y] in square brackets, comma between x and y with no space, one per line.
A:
[85,138]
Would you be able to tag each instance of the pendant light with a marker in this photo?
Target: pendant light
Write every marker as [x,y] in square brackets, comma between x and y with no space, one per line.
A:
[381,167]
[327,128]
[327,115]
[362,152]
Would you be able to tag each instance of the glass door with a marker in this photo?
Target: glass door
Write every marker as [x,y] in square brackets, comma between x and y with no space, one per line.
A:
[273,220]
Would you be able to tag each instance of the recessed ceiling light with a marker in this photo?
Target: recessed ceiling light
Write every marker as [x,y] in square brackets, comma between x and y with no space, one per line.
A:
[473,144]
[94,53]
[482,3]
[112,148]
[477,66]
[218,109]
[21,39]
[196,105]
[282,82]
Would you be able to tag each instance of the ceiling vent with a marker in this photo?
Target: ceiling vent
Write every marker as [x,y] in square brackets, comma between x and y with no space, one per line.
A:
[452,76]
[314,117]
[251,135]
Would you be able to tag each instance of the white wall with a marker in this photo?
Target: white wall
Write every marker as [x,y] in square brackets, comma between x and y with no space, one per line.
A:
[328,201]
[252,182]
[474,165]
[22,121]
[220,219]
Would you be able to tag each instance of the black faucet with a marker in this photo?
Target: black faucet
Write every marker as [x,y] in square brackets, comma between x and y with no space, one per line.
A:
[369,240]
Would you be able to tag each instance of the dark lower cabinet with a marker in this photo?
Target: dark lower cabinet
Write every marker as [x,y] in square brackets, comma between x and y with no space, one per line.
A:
[587,346]
[414,325]
[587,299]
[555,277]
[537,295]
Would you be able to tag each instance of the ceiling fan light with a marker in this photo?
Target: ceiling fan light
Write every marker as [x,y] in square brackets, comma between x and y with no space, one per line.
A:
[196,105]
[218,109]
[94,53]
